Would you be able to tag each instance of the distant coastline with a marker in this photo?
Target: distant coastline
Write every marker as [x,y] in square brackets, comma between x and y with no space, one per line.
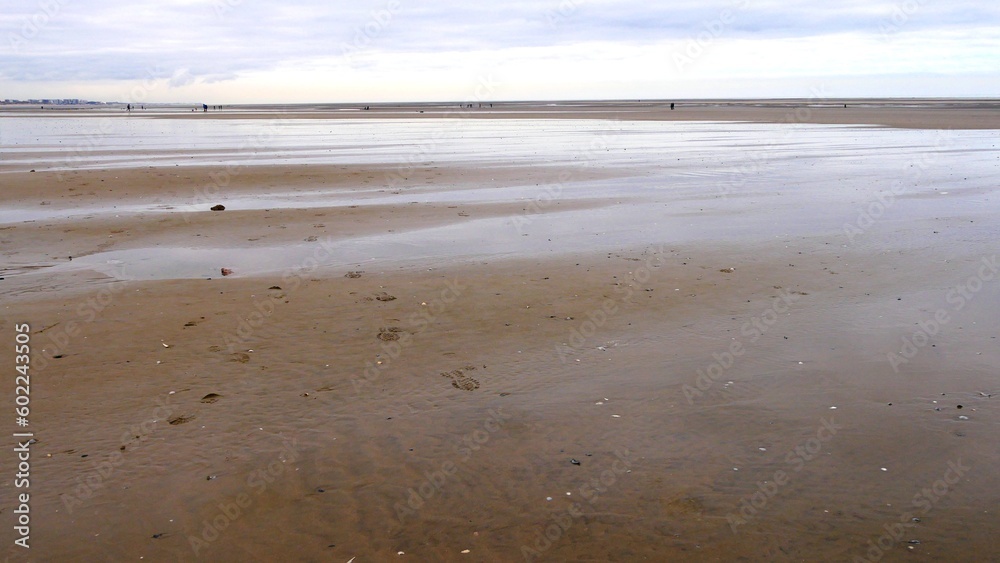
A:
[908,113]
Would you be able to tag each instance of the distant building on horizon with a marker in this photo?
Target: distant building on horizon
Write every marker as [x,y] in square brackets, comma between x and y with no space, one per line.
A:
[54,102]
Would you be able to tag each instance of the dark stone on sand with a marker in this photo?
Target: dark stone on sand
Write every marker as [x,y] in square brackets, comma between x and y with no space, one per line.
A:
[219,207]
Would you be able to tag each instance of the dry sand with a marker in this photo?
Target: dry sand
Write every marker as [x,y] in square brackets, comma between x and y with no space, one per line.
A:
[359,411]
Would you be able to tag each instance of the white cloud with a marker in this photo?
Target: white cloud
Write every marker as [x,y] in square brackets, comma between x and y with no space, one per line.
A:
[239,50]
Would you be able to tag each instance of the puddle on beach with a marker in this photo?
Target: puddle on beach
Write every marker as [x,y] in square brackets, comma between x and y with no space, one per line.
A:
[481,239]
[689,182]
[609,228]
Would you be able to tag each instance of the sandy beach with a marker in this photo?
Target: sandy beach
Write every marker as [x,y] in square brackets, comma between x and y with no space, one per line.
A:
[734,331]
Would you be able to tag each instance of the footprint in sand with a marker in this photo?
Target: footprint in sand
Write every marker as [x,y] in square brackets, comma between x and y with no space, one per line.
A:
[179,420]
[240,357]
[211,398]
[461,381]
[389,334]
[383,296]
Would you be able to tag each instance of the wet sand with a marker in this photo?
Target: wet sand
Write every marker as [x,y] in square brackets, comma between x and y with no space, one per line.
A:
[695,345]
[911,113]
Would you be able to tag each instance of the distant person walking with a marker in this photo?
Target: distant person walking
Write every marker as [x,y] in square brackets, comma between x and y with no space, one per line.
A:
[128,107]
[204,107]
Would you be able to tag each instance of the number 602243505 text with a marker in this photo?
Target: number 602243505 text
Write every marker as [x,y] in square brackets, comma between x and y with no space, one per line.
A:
[22,361]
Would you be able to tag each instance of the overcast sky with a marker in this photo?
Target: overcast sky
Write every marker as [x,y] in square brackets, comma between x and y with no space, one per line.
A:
[232,51]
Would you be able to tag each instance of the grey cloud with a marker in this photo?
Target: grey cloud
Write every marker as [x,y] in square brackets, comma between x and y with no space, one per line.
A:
[214,41]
